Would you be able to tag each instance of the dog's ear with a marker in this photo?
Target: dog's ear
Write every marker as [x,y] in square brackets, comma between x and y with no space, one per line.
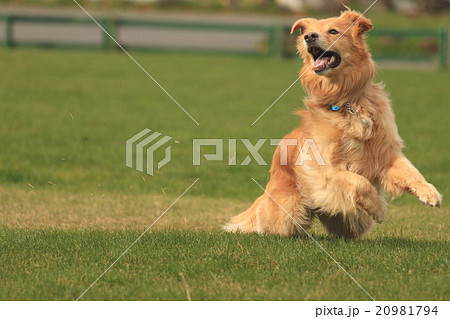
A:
[301,24]
[362,24]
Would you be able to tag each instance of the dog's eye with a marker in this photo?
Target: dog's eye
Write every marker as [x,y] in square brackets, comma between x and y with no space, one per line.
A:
[333,31]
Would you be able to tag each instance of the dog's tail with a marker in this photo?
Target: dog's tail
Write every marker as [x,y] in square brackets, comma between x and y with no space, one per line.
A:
[246,222]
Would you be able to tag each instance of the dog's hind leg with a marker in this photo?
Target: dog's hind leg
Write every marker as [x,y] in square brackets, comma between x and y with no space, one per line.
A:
[275,212]
[248,221]
[282,208]
[350,225]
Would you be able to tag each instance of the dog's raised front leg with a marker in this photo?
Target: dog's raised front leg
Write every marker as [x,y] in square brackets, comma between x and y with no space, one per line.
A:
[402,176]
[345,192]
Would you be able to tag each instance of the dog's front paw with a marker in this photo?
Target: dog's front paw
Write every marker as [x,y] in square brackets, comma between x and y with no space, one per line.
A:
[429,195]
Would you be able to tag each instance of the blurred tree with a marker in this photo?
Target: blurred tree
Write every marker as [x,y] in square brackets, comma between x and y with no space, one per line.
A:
[434,6]
[232,4]
[388,4]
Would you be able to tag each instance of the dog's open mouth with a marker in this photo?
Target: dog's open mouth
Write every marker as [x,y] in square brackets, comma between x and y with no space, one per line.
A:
[324,60]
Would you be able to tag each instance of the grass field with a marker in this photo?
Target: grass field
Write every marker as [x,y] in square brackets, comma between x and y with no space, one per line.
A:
[69,206]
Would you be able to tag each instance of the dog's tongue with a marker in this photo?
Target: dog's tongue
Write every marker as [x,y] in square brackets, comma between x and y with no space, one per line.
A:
[321,63]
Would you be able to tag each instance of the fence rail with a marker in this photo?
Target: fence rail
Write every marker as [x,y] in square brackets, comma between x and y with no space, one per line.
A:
[268,40]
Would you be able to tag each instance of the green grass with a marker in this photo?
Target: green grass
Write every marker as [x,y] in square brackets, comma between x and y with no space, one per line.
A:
[69,206]
[61,264]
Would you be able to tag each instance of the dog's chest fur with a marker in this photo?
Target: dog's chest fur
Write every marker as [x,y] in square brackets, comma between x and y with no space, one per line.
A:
[346,143]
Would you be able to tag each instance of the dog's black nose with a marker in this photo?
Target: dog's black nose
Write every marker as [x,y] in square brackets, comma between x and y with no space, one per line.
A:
[311,36]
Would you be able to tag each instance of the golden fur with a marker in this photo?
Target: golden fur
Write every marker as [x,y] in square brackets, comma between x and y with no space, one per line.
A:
[362,162]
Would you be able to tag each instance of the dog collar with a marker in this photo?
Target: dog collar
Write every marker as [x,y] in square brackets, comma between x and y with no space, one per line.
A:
[348,107]
[335,107]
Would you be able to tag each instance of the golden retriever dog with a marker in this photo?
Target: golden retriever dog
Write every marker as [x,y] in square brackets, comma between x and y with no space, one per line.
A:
[351,122]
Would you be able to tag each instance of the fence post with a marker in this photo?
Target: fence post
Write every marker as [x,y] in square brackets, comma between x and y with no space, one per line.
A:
[110,26]
[276,42]
[9,36]
[443,48]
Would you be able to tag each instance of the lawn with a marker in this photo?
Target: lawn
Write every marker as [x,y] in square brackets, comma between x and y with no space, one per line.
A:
[69,206]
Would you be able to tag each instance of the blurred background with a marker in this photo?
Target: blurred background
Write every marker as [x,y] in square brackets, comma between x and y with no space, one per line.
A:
[405,30]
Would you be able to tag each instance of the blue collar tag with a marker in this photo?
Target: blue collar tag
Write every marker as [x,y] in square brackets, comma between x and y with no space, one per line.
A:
[335,107]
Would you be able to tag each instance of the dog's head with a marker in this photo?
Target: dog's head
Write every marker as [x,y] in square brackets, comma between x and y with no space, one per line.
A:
[333,45]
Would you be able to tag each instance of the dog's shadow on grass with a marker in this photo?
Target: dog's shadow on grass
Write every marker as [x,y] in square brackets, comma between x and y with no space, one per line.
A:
[381,241]
[371,241]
